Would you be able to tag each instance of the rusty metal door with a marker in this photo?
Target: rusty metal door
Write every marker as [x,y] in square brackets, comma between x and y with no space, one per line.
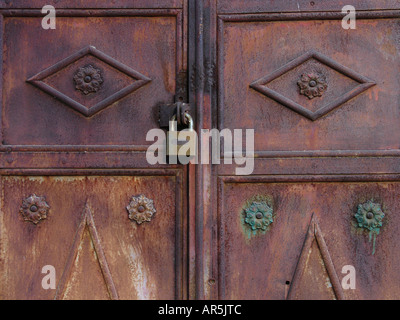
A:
[323,198]
[78,197]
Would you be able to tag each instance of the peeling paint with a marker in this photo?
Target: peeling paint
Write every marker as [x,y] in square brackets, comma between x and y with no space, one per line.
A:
[140,278]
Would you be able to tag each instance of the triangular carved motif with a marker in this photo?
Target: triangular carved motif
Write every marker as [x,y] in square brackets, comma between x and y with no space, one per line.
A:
[86,247]
[315,276]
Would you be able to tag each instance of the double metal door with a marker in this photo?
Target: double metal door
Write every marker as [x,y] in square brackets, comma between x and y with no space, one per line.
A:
[80,201]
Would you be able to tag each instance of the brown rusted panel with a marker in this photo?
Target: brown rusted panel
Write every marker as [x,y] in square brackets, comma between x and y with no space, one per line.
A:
[325,157]
[255,6]
[127,48]
[349,114]
[52,110]
[318,165]
[308,257]
[86,256]
[142,257]
[9,4]
[26,247]
[66,160]
[97,251]
[287,163]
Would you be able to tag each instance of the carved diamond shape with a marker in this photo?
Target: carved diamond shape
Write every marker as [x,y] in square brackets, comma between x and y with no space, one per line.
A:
[261,85]
[116,79]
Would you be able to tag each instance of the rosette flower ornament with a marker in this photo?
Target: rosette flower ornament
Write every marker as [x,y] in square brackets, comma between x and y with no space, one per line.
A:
[34,209]
[258,215]
[88,79]
[312,85]
[141,209]
[369,216]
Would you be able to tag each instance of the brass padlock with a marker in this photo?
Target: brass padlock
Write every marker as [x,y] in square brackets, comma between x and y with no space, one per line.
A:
[181,145]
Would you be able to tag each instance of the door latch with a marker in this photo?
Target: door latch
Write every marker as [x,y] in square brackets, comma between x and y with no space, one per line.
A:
[179,108]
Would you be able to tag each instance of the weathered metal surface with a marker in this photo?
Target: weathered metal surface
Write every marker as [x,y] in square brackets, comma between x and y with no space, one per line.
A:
[256,6]
[107,71]
[56,80]
[313,68]
[345,157]
[313,269]
[308,257]
[319,170]
[86,252]
[96,251]
[72,4]
[130,50]
[339,123]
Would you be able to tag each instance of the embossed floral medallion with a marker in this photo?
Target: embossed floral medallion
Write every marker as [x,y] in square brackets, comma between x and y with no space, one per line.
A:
[369,216]
[312,85]
[258,215]
[141,209]
[88,79]
[34,209]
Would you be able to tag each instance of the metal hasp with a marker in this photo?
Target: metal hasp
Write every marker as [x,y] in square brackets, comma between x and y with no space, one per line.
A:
[179,108]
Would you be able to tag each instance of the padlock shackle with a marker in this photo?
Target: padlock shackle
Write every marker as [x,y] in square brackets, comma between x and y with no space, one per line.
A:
[187,116]
[190,119]
[172,123]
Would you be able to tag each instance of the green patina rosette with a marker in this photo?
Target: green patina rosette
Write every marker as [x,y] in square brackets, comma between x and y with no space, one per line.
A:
[258,215]
[369,216]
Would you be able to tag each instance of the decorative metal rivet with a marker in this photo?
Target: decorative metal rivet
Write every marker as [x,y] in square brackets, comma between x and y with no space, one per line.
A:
[312,85]
[34,209]
[88,79]
[258,215]
[369,216]
[211,282]
[141,209]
